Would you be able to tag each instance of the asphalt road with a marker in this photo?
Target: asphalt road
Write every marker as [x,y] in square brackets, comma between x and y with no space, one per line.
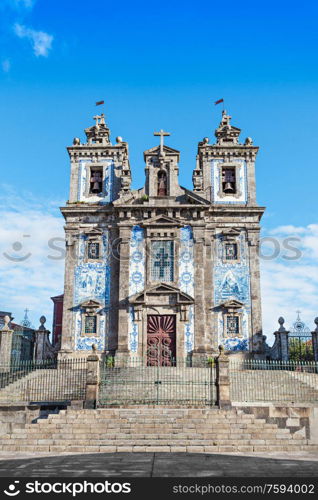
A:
[159,465]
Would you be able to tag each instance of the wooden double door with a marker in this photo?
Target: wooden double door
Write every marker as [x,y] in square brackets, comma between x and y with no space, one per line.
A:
[161,339]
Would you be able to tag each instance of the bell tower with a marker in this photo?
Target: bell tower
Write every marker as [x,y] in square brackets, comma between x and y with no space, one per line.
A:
[225,171]
[100,172]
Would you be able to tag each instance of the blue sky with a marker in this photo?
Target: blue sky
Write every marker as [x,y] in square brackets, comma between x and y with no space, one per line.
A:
[159,65]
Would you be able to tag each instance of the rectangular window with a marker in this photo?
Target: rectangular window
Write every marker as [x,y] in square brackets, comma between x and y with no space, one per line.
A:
[162,260]
[230,251]
[96,181]
[93,250]
[90,324]
[228,180]
[232,325]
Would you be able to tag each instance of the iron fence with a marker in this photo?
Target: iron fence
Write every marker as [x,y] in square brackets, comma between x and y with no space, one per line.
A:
[43,381]
[274,381]
[135,383]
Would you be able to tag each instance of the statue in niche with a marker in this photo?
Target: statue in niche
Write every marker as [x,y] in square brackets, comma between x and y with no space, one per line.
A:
[96,183]
[162,183]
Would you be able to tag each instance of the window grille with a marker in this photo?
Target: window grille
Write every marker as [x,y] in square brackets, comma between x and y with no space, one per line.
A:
[93,250]
[90,324]
[232,324]
[231,251]
[162,260]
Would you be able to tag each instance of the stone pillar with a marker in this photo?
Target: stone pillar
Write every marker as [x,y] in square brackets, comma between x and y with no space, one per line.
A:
[223,380]
[314,336]
[122,352]
[282,341]
[199,352]
[256,333]
[41,337]
[67,337]
[92,380]
[5,346]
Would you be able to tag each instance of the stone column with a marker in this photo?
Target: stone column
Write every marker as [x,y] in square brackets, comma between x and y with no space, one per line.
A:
[5,346]
[122,352]
[114,273]
[199,351]
[223,380]
[314,336]
[67,337]
[256,310]
[92,380]
[211,333]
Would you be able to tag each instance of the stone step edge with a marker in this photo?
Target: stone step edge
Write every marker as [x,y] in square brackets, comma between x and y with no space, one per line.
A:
[185,449]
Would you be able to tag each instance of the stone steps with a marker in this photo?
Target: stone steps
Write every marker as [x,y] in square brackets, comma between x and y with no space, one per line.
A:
[152,429]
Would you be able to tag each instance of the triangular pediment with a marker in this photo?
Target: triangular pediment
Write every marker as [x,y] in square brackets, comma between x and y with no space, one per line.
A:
[155,150]
[161,220]
[91,304]
[92,232]
[232,304]
[231,231]
[161,289]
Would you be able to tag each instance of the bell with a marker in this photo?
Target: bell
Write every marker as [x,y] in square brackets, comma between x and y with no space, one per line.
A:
[228,187]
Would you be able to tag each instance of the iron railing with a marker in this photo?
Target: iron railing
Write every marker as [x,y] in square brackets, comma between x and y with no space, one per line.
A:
[135,383]
[274,381]
[43,381]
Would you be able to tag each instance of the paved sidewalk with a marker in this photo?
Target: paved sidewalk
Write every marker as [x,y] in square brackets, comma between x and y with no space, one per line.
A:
[302,464]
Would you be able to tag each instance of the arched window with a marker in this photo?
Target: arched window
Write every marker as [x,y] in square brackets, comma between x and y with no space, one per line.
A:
[162,183]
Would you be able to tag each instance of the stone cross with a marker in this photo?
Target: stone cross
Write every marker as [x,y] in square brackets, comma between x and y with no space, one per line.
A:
[161,134]
[96,118]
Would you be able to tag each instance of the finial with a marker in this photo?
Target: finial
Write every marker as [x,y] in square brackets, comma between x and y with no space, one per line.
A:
[94,347]
[316,323]
[42,321]
[76,141]
[281,321]
[119,139]
[102,119]
[206,140]
[221,349]
[248,141]
[6,321]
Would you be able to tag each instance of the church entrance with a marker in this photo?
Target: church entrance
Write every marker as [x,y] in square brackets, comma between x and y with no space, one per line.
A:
[161,340]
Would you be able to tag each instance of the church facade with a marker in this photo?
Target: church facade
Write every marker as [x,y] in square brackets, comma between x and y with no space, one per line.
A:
[162,272]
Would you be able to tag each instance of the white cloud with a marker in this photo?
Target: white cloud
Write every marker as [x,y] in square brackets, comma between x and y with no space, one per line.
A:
[27,227]
[289,229]
[41,41]
[289,285]
[6,65]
